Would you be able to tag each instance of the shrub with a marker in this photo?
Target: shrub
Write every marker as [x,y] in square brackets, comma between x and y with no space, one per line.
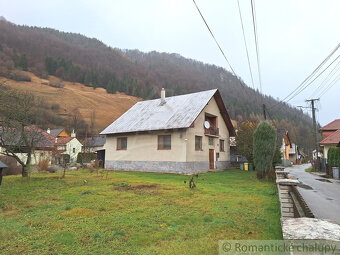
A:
[19,76]
[333,157]
[43,164]
[264,148]
[85,157]
[56,84]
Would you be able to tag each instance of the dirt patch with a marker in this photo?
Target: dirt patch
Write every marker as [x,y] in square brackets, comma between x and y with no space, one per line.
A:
[138,187]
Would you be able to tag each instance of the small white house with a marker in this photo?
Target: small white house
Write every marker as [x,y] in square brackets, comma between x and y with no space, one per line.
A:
[68,146]
[180,134]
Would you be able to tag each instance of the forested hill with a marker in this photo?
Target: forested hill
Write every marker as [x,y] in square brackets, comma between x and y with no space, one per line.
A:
[74,57]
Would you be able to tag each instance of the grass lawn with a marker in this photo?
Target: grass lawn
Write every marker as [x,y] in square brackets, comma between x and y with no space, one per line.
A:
[134,213]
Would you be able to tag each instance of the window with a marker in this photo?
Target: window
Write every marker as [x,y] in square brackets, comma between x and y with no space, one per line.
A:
[221,145]
[121,143]
[164,142]
[74,150]
[198,143]
[211,141]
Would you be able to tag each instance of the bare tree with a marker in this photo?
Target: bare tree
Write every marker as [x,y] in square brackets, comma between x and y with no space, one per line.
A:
[17,135]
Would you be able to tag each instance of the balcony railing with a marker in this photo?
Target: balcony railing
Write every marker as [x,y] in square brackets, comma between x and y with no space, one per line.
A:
[211,131]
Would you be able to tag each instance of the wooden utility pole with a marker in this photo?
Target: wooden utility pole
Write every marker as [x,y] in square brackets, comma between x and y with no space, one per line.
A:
[264,112]
[317,163]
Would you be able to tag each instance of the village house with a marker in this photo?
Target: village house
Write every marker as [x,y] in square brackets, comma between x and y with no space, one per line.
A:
[330,136]
[180,134]
[47,146]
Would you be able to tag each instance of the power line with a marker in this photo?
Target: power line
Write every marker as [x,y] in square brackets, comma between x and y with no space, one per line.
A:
[218,45]
[330,85]
[308,78]
[253,13]
[306,85]
[212,34]
[327,78]
[245,44]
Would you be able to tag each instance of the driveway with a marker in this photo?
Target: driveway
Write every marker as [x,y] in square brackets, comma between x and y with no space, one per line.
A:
[321,195]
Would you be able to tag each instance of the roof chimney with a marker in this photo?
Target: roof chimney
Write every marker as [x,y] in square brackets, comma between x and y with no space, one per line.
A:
[73,134]
[48,130]
[163,97]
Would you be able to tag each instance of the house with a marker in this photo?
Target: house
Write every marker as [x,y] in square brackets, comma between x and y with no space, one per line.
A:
[180,134]
[286,148]
[69,146]
[46,146]
[60,132]
[330,136]
[43,144]
[295,154]
[94,144]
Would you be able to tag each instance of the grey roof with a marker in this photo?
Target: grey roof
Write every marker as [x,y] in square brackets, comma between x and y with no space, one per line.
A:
[56,132]
[2,165]
[178,112]
[97,141]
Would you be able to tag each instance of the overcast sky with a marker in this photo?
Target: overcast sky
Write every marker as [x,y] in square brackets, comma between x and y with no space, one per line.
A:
[294,35]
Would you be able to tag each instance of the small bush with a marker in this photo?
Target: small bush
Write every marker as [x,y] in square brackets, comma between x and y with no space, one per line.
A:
[85,157]
[19,76]
[43,165]
[56,84]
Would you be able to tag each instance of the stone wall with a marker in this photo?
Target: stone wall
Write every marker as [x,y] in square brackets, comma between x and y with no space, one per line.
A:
[164,166]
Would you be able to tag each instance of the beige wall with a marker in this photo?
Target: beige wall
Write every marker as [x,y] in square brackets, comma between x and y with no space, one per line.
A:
[198,130]
[143,146]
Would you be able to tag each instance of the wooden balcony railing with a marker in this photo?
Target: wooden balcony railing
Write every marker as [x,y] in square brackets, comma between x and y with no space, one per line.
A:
[211,131]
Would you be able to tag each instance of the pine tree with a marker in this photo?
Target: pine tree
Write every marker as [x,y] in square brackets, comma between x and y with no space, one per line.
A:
[264,148]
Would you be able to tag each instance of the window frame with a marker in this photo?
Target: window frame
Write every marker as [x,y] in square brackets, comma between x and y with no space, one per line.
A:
[163,142]
[120,143]
[212,141]
[200,148]
[222,145]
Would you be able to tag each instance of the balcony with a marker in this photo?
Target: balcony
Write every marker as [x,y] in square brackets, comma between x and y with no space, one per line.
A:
[212,131]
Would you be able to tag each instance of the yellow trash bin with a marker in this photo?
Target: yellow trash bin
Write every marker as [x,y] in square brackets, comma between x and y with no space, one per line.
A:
[246,166]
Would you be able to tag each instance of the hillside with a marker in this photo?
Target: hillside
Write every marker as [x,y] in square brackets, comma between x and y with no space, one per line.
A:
[75,98]
[77,59]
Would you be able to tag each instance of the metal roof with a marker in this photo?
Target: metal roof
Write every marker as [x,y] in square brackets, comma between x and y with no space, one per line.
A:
[177,112]
[56,132]
[96,141]
[2,165]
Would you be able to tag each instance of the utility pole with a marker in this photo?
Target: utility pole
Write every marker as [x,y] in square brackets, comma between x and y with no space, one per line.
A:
[317,163]
[264,112]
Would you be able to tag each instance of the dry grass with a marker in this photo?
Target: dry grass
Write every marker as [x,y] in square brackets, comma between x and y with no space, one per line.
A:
[77,97]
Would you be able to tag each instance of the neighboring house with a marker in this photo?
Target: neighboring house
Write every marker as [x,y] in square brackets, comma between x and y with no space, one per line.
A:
[180,134]
[94,144]
[285,149]
[295,154]
[60,132]
[44,145]
[67,146]
[330,136]
[48,147]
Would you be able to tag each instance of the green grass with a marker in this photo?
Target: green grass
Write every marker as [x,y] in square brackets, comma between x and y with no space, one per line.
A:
[309,169]
[134,213]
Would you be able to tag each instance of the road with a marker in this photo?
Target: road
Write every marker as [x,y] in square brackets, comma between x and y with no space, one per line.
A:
[321,195]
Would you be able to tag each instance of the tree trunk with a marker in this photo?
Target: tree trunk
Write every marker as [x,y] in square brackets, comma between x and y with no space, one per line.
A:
[24,172]
[0,176]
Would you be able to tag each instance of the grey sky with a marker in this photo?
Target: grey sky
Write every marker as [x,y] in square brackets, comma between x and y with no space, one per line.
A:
[294,35]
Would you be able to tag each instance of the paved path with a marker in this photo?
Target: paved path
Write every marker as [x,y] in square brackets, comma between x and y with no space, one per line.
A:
[322,197]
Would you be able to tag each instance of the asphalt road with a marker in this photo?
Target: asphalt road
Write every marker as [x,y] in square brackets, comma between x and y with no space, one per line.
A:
[322,197]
